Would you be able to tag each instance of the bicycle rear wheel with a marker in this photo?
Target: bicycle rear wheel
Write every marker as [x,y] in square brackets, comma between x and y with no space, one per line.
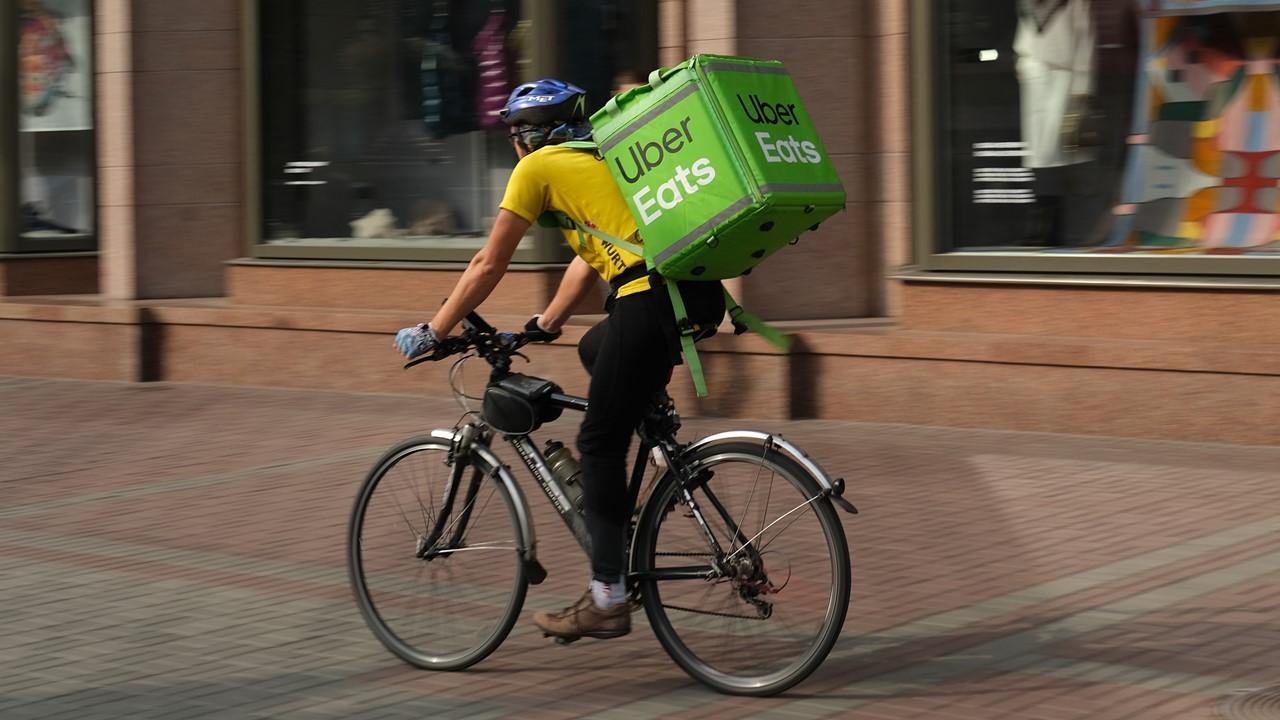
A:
[449,610]
[771,615]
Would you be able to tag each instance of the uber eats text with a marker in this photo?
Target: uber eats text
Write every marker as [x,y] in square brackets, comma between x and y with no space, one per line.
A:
[782,150]
[647,157]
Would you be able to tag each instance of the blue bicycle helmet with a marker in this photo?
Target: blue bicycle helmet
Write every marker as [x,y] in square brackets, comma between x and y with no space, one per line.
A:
[545,103]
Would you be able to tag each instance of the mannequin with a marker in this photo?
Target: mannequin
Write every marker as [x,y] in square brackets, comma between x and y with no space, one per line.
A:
[1056,43]
[1055,48]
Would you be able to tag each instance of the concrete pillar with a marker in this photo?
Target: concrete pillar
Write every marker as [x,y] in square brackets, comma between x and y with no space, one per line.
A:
[671,32]
[889,158]
[170,145]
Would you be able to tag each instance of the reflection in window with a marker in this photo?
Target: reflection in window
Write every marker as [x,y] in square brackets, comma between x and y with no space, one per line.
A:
[1204,165]
[380,124]
[55,138]
[1039,98]
[376,118]
[1091,126]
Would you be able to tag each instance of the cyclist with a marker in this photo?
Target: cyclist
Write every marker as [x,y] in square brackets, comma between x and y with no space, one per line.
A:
[629,355]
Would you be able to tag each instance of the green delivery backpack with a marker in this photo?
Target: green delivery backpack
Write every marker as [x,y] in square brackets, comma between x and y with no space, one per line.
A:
[721,167]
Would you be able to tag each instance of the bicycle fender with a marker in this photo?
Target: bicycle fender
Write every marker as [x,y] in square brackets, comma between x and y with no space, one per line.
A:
[500,473]
[833,489]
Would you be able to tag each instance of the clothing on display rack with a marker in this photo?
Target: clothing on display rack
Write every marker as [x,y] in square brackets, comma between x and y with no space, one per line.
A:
[494,65]
[447,77]
[465,65]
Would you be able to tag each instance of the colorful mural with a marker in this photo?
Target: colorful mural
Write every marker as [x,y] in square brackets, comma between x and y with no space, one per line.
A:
[45,59]
[1203,174]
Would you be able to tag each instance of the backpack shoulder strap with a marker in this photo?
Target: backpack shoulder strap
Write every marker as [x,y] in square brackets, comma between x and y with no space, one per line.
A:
[559,219]
[590,145]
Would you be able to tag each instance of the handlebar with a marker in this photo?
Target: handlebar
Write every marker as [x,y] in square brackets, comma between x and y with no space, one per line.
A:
[496,348]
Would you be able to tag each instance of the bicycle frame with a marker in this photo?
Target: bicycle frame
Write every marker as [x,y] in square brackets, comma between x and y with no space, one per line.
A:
[475,438]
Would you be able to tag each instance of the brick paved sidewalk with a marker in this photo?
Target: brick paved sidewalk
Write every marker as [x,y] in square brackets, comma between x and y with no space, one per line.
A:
[177,552]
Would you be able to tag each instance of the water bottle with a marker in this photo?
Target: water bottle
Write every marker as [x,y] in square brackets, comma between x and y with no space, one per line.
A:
[566,471]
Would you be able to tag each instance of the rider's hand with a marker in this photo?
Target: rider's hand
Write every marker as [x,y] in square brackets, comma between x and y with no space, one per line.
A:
[417,340]
[534,331]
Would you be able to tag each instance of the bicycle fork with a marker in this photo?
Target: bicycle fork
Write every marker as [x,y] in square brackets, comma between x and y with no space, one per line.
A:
[458,464]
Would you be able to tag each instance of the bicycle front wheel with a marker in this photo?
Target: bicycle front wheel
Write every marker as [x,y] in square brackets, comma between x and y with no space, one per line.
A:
[441,603]
[763,614]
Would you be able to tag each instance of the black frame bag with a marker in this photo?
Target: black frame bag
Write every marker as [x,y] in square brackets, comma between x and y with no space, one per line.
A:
[519,404]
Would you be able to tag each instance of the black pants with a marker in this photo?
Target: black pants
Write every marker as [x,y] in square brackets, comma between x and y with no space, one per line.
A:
[630,356]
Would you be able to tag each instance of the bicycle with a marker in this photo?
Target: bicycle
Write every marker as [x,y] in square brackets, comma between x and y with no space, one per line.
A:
[734,606]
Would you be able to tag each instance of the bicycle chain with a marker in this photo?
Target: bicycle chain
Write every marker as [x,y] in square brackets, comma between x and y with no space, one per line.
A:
[712,612]
[683,554]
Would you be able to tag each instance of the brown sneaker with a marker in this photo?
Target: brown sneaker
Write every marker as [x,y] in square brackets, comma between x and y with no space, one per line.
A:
[584,619]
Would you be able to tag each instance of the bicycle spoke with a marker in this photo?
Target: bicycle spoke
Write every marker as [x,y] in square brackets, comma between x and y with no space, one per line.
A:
[777,520]
[405,516]
[428,509]
[764,509]
[750,495]
[459,514]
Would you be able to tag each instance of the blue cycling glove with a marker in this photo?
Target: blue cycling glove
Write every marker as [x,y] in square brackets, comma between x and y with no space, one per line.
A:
[417,340]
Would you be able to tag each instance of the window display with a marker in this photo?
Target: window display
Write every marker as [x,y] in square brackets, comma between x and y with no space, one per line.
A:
[1084,127]
[55,133]
[379,117]
[1204,161]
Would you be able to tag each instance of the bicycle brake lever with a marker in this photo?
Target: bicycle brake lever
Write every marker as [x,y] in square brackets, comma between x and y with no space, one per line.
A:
[448,346]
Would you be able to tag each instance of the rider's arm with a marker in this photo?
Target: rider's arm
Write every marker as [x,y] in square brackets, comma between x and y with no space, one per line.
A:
[578,281]
[483,273]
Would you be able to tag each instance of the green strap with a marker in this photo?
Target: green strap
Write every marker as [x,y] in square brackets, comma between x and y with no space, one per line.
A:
[567,222]
[744,321]
[686,340]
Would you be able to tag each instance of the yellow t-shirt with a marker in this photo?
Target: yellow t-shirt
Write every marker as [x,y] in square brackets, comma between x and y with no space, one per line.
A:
[577,184]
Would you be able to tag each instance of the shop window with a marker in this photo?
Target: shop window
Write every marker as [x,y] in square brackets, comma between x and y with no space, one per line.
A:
[1112,132]
[55,144]
[379,132]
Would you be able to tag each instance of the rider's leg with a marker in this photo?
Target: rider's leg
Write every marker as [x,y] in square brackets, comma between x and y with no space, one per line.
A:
[629,362]
[630,356]
[630,365]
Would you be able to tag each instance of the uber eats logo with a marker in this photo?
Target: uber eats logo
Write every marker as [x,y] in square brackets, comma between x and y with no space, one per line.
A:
[781,150]
[649,157]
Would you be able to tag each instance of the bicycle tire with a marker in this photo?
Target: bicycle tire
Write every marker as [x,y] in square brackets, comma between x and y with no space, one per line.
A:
[662,617]
[463,599]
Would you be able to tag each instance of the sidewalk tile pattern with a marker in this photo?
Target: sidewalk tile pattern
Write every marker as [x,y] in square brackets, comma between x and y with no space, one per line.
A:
[172,551]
